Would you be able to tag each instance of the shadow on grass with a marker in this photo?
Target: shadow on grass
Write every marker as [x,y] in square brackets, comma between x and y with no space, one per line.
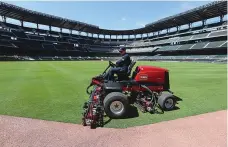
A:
[178,98]
[133,111]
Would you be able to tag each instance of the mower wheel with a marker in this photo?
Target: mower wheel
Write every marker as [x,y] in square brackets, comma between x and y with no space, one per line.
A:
[167,101]
[116,105]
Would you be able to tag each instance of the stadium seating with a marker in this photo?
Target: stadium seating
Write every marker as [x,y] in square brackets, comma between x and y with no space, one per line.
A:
[207,38]
[215,44]
[218,33]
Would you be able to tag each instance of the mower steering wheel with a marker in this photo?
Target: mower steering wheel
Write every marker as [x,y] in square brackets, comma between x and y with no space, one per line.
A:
[112,64]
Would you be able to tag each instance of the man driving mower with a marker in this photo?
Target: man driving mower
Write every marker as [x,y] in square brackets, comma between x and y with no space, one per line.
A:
[121,65]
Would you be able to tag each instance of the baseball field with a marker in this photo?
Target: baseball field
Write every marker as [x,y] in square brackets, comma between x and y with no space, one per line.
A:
[56,90]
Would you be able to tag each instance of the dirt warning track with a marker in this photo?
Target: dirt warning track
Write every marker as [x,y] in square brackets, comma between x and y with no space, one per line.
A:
[206,130]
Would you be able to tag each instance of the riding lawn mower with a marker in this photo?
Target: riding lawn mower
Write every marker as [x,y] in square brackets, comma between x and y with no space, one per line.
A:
[147,88]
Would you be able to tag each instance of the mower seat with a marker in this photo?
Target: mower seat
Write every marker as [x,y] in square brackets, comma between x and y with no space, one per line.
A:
[125,76]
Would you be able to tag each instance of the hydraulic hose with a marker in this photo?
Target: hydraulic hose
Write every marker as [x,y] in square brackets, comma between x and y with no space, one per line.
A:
[87,90]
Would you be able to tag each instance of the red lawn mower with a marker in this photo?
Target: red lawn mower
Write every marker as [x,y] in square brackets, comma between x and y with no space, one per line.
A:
[147,89]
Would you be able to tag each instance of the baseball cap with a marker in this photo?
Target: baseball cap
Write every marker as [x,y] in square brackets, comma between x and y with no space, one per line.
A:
[122,49]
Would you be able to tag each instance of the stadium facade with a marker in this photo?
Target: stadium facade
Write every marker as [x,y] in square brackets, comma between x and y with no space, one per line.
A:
[174,38]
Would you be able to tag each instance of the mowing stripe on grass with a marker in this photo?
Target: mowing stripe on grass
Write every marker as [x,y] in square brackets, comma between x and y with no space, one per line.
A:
[56,90]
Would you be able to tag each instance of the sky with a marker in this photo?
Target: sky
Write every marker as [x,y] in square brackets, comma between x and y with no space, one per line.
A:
[115,15]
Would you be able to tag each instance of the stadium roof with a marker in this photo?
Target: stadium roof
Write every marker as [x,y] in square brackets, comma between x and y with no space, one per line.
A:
[211,10]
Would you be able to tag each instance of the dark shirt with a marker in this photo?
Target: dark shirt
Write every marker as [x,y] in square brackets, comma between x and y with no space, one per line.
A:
[124,62]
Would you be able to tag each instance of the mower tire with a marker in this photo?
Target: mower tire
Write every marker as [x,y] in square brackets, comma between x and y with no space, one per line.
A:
[167,101]
[116,105]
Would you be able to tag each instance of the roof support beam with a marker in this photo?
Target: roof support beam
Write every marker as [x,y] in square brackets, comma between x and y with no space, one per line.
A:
[204,22]
[4,18]
[189,25]
[49,27]
[22,23]
[178,28]
[221,18]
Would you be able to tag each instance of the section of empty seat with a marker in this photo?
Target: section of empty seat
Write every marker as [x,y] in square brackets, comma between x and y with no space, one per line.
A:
[141,50]
[63,39]
[215,44]
[73,41]
[6,33]
[199,45]
[170,48]
[34,45]
[218,33]
[185,47]
[97,49]
[80,41]
[59,46]
[6,43]
[171,40]
[48,46]
[158,42]
[35,37]
[185,38]
[164,48]
[23,45]
[224,45]
[19,34]
[198,36]
[68,46]
[49,38]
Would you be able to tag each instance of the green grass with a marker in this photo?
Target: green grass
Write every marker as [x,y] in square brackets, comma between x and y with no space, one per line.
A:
[56,90]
